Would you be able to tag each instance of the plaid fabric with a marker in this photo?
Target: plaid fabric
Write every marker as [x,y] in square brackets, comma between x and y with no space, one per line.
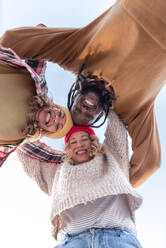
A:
[37,71]
[42,152]
[5,150]
[35,67]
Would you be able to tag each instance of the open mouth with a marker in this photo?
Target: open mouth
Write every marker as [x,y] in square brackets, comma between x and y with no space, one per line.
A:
[89,102]
[48,117]
[81,152]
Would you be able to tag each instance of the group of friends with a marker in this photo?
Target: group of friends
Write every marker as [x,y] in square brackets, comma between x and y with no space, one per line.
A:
[119,61]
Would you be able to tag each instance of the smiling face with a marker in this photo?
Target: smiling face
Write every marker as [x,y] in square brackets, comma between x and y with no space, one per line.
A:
[86,108]
[80,145]
[51,119]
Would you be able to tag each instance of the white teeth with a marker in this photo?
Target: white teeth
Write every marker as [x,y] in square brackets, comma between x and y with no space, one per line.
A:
[81,152]
[89,102]
[48,118]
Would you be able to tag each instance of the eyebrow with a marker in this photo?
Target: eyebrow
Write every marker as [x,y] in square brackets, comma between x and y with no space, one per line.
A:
[82,136]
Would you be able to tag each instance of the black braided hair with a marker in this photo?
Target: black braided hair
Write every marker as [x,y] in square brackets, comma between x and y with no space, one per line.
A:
[87,82]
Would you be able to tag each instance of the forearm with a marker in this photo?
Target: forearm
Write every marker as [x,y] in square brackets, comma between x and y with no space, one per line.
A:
[146,157]
[41,172]
[57,45]
[116,140]
[42,152]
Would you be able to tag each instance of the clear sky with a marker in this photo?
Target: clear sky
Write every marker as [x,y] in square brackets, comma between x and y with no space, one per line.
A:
[24,209]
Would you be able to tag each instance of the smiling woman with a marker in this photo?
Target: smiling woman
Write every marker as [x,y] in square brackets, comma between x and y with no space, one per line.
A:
[28,112]
[47,118]
[92,198]
[51,119]
[81,144]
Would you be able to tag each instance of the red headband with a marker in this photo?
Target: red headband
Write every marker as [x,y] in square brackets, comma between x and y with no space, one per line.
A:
[75,129]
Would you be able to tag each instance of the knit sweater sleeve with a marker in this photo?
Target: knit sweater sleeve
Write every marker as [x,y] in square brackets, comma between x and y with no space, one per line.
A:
[116,141]
[43,173]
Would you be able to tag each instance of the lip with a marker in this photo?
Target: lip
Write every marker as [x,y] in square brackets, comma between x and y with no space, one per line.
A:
[89,102]
[81,152]
[51,117]
[48,116]
[49,112]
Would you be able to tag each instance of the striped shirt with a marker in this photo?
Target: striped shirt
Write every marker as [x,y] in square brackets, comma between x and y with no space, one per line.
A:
[105,212]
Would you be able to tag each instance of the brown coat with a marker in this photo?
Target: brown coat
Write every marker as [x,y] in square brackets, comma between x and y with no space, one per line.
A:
[126,45]
[16,91]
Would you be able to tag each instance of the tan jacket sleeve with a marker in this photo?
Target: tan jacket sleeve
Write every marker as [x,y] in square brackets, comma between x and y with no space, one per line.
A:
[146,156]
[53,44]
[59,45]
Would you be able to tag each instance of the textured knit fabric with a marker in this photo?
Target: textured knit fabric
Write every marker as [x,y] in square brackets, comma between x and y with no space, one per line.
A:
[126,45]
[110,211]
[89,181]
[86,182]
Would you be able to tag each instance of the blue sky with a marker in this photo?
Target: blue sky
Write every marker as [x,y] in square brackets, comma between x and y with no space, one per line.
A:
[24,209]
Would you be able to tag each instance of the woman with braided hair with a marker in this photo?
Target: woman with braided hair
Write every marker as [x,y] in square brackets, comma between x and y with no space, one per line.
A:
[93,202]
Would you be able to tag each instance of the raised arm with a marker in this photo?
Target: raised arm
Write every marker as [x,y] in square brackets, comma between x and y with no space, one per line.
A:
[35,162]
[145,159]
[116,141]
[68,47]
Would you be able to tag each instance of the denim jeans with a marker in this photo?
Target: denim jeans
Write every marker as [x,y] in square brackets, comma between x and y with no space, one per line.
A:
[117,237]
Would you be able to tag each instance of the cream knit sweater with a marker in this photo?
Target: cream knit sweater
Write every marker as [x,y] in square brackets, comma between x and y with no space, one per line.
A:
[71,185]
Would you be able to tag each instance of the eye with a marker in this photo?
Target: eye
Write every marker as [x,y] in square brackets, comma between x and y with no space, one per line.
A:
[77,110]
[89,116]
[57,127]
[61,114]
[72,142]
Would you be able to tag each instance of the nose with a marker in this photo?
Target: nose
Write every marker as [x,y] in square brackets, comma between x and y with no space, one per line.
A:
[84,108]
[79,144]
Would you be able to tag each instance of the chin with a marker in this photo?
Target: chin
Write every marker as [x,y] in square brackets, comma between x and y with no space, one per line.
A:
[80,161]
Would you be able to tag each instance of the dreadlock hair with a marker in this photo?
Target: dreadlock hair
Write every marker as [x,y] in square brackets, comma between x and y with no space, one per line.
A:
[32,128]
[87,82]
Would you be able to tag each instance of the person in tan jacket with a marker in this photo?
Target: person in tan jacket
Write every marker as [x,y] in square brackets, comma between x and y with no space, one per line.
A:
[126,46]
[26,110]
